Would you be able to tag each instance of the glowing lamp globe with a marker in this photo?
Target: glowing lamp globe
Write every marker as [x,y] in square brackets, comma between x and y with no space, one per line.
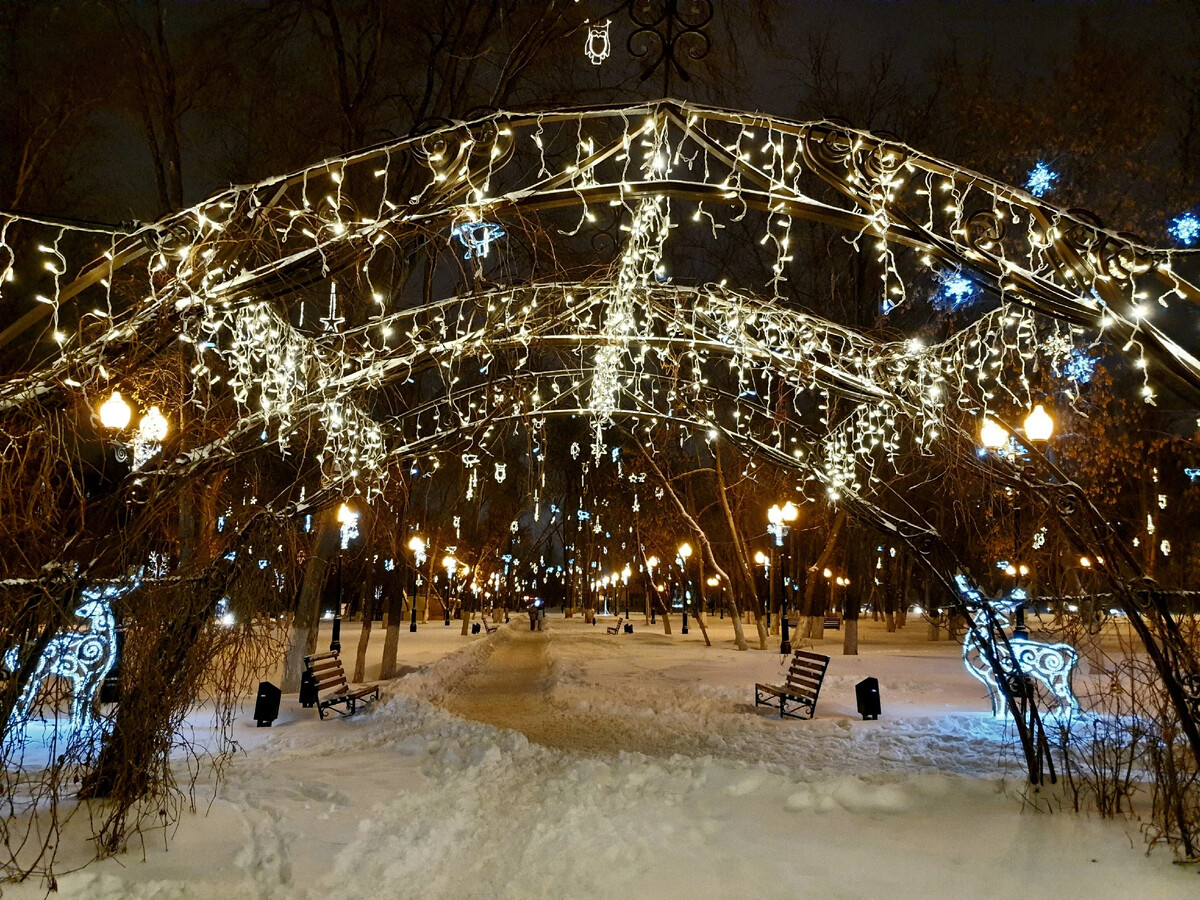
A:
[685,550]
[789,512]
[1038,424]
[416,544]
[154,425]
[992,435]
[115,412]
[346,515]
[760,558]
[775,515]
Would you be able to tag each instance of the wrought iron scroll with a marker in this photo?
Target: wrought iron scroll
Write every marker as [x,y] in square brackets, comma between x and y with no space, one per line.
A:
[669,32]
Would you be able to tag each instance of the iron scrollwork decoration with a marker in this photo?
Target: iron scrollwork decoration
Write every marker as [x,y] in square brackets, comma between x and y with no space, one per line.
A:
[668,32]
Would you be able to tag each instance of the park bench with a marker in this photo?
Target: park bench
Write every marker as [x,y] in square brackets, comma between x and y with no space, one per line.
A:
[801,689]
[833,620]
[329,687]
[616,629]
[489,629]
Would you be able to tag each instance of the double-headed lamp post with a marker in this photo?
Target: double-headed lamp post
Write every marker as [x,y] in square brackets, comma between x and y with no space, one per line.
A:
[348,528]
[417,545]
[146,442]
[779,519]
[685,553]
[1039,427]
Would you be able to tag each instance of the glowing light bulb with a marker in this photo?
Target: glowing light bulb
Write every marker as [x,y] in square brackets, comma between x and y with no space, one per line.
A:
[1038,424]
[154,425]
[115,412]
[992,435]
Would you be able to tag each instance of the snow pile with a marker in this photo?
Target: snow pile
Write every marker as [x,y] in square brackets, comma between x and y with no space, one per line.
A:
[633,783]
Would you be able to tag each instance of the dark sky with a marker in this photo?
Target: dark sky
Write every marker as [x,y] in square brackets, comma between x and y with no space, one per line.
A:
[1022,39]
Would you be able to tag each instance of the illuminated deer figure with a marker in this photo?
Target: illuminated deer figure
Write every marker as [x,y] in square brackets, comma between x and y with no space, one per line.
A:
[1051,664]
[82,657]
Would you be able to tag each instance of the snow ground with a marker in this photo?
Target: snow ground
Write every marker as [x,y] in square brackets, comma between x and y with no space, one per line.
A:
[572,763]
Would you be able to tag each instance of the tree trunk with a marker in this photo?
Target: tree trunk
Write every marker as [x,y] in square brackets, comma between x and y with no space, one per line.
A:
[303,638]
[850,637]
[816,624]
[851,607]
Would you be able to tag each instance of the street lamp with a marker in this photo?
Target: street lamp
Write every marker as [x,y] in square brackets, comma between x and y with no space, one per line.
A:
[348,522]
[115,412]
[992,435]
[625,573]
[1038,424]
[417,545]
[451,565]
[685,553]
[650,564]
[146,442]
[779,519]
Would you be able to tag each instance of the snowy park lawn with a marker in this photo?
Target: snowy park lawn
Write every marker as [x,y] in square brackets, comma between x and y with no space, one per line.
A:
[573,763]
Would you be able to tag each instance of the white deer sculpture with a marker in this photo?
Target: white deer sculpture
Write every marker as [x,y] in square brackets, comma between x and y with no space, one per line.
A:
[82,657]
[1051,664]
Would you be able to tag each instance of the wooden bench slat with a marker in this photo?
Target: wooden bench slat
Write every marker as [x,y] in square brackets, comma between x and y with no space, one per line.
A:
[804,679]
[329,678]
[806,673]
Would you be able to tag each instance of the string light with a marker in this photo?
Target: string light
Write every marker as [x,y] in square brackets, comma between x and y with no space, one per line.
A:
[83,658]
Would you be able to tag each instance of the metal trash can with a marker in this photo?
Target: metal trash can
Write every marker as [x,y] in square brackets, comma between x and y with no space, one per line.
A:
[308,690]
[266,705]
[867,692]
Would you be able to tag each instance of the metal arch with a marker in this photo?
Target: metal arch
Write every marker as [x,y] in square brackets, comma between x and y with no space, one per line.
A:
[870,171]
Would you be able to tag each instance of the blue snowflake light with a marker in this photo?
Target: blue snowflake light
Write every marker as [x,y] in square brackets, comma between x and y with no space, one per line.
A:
[477,237]
[1192,474]
[955,291]
[1185,229]
[1079,367]
[1041,179]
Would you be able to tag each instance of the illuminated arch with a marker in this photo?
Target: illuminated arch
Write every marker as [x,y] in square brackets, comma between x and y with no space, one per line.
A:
[231,271]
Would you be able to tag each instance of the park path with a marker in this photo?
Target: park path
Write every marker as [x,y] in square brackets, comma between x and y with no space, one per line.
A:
[518,688]
[511,689]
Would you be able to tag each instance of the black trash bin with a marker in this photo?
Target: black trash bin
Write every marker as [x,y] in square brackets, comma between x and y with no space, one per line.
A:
[628,628]
[308,690]
[474,628]
[266,705]
[867,692]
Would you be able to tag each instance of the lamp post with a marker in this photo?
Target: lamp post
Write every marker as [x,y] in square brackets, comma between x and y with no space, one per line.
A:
[650,564]
[348,522]
[625,573]
[451,565]
[685,552]
[1039,427]
[417,545]
[779,520]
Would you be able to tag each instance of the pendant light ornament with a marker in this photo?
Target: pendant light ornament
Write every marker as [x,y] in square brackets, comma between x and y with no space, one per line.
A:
[597,47]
